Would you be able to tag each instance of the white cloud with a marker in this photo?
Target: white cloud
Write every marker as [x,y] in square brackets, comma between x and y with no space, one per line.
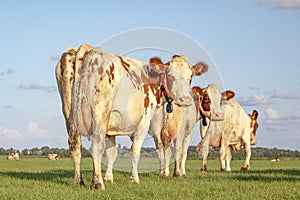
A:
[282,3]
[35,131]
[9,71]
[253,88]
[255,99]
[277,121]
[9,134]
[34,86]
[273,114]
[7,107]
[290,96]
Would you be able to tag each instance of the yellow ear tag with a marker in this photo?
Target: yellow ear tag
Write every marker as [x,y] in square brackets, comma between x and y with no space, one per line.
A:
[157,68]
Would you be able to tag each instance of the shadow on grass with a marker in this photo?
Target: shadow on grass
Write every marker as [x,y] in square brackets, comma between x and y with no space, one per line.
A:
[268,175]
[57,176]
[64,177]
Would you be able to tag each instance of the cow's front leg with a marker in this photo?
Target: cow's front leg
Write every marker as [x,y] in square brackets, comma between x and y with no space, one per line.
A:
[185,146]
[75,146]
[97,151]
[138,140]
[177,157]
[247,150]
[228,159]
[111,155]
[168,155]
[204,152]
[160,149]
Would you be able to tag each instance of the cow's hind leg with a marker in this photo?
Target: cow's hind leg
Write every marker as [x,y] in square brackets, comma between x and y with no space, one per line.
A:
[75,145]
[138,140]
[98,140]
[228,159]
[111,155]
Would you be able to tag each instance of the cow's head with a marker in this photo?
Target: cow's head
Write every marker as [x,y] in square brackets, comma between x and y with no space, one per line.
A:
[179,75]
[209,101]
[253,126]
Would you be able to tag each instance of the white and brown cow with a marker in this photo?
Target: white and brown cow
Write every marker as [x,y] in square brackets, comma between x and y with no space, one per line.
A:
[104,95]
[53,156]
[178,125]
[13,156]
[238,129]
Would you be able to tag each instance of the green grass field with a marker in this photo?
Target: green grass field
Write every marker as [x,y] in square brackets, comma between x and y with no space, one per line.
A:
[40,178]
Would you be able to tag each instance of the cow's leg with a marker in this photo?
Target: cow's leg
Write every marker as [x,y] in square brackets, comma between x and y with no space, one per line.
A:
[222,157]
[75,145]
[185,146]
[98,140]
[204,152]
[138,140]
[228,159]
[111,155]
[168,155]
[160,149]
[155,131]
[247,150]
[178,155]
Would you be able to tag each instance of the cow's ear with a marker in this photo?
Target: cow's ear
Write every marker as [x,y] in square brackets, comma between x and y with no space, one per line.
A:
[197,91]
[254,115]
[228,94]
[199,68]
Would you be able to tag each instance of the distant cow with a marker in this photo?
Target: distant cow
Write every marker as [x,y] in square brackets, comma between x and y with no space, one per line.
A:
[276,159]
[13,156]
[52,156]
[105,95]
[238,129]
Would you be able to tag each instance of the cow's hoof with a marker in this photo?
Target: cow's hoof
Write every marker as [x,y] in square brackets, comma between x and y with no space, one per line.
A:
[245,168]
[97,186]
[203,169]
[163,176]
[176,175]
[79,181]
[223,170]
[109,179]
[134,179]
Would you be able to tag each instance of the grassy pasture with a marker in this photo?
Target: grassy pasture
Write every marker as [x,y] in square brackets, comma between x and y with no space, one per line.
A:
[39,178]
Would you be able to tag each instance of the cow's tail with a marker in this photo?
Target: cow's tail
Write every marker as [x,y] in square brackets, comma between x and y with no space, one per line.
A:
[64,77]
[81,111]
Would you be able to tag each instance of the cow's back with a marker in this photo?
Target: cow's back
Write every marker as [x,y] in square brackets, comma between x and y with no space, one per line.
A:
[236,121]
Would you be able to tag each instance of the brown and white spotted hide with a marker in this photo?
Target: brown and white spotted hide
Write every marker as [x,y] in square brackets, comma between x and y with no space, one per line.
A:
[52,156]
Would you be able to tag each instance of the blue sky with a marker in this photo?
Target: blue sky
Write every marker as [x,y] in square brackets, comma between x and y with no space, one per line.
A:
[255,45]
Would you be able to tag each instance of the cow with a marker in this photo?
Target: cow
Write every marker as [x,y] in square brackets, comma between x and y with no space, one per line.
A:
[52,156]
[104,95]
[238,129]
[13,156]
[177,127]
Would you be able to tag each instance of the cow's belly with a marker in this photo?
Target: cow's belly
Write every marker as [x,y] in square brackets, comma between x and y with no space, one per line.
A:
[127,112]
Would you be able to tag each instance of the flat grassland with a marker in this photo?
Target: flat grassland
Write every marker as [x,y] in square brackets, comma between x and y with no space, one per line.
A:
[39,178]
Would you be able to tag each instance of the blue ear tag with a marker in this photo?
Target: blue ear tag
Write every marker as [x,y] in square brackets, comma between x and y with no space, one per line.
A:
[204,122]
[169,107]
